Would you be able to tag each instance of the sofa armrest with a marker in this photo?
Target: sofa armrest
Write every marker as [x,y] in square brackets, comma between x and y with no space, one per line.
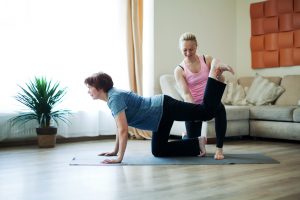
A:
[168,86]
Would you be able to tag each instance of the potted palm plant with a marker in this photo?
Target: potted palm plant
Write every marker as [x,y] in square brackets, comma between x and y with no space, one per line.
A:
[40,96]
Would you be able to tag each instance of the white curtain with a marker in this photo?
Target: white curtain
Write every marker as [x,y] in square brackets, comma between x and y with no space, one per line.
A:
[66,41]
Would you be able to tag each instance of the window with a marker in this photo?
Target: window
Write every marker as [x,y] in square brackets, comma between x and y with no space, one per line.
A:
[65,40]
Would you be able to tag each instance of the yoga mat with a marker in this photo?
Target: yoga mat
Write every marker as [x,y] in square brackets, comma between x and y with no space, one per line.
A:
[253,158]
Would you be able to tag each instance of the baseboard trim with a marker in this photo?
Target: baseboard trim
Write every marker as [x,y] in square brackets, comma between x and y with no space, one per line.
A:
[59,140]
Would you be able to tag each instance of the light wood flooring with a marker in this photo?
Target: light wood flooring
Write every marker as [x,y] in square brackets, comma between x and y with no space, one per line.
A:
[30,173]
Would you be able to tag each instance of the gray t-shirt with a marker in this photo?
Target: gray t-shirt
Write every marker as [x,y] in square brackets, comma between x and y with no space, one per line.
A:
[141,112]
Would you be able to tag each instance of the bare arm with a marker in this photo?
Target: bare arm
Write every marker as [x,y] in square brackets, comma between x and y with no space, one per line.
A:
[116,150]
[122,126]
[208,60]
[182,84]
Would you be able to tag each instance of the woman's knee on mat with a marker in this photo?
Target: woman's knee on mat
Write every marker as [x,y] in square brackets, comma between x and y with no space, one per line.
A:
[157,152]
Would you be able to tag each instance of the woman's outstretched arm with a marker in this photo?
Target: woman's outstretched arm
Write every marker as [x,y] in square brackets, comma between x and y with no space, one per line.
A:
[122,126]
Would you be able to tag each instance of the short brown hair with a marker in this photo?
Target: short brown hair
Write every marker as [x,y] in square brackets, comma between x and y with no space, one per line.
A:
[99,81]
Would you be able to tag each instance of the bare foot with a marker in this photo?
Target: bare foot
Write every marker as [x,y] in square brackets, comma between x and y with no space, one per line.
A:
[218,68]
[224,67]
[202,143]
[219,154]
[184,135]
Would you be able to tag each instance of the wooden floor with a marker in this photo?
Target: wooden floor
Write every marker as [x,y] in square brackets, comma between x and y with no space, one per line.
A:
[30,173]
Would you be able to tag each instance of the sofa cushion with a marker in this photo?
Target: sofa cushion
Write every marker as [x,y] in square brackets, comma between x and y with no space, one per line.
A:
[247,80]
[272,129]
[237,112]
[291,96]
[272,113]
[168,86]
[296,115]
[235,94]
[234,128]
[263,92]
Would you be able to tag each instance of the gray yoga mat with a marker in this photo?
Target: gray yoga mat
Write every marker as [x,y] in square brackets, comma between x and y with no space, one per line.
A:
[253,158]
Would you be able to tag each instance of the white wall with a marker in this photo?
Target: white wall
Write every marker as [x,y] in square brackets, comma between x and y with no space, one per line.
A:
[243,56]
[213,22]
[222,28]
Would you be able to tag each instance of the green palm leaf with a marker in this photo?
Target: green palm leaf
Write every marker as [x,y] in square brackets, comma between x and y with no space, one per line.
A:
[41,96]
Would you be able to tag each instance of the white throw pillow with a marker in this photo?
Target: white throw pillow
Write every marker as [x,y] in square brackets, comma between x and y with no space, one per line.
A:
[263,92]
[224,97]
[180,92]
[235,94]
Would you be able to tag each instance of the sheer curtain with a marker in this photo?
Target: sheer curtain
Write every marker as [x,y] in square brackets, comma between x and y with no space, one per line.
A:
[135,55]
[66,41]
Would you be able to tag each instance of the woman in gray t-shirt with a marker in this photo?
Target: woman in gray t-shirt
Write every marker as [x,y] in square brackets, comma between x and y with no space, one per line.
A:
[157,114]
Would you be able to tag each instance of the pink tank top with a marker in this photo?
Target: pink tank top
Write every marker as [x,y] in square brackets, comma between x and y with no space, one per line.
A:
[197,81]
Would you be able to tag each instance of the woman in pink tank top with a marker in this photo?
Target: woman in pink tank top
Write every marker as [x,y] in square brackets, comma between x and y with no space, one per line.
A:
[191,76]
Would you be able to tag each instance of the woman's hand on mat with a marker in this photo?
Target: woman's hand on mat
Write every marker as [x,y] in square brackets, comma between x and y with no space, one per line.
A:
[108,154]
[112,161]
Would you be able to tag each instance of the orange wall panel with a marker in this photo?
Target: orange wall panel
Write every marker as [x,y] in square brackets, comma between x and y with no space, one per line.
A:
[296,56]
[270,24]
[286,40]
[286,57]
[270,8]
[296,5]
[257,10]
[257,26]
[286,22]
[271,41]
[271,58]
[275,33]
[257,43]
[257,58]
[297,38]
[285,6]
[296,20]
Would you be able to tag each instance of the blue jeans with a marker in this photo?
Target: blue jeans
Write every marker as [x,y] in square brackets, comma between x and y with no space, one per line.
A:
[174,110]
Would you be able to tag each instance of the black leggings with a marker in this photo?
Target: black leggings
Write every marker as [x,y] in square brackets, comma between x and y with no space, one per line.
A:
[174,110]
[193,128]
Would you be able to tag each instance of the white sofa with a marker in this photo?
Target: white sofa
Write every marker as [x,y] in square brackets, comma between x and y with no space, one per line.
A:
[281,120]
